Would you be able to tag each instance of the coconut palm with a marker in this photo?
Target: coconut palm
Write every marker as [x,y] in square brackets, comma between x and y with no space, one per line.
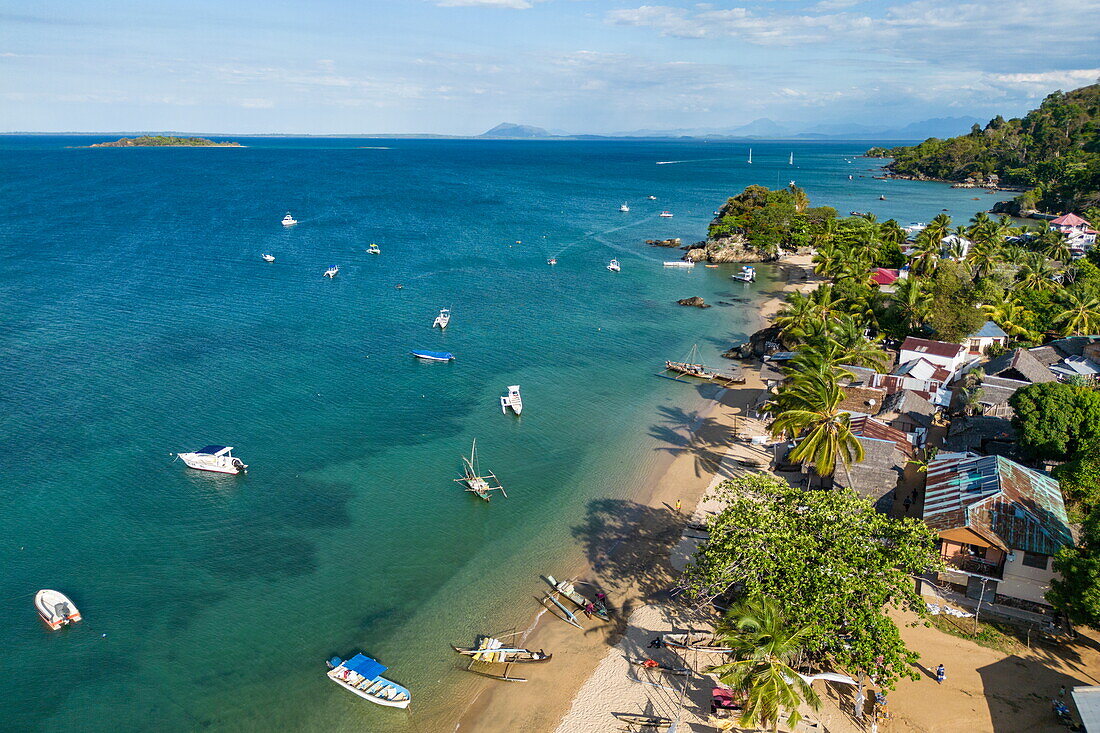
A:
[890,232]
[913,302]
[939,227]
[1011,316]
[828,259]
[825,233]
[1035,274]
[983,257]
[1081,315]
[858,349]
[1057,248]
[799,311]
[765,647]
[926,254]
[810,412]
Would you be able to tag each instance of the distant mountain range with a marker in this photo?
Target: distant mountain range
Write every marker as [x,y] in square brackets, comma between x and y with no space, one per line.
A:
[765,128]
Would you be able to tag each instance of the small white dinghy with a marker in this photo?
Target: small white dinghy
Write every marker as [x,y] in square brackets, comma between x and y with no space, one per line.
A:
[55,608]
[625,208]
[614,266]
[288,220]
[512,399]
[216,458]
[268,257]
[443,318]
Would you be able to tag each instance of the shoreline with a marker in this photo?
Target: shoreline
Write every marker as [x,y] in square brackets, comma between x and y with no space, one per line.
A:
[635,569]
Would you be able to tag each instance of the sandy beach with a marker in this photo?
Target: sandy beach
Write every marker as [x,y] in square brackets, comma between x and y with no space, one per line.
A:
[632,540]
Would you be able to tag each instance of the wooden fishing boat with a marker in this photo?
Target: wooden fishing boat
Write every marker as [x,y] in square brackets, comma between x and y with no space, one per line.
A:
[696,641]
[362,676]
[569,618]
[645,721]
[598,606]
[492,651]
[481,485]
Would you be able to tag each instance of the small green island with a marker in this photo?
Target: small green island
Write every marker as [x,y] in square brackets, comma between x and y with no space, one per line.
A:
[164,141]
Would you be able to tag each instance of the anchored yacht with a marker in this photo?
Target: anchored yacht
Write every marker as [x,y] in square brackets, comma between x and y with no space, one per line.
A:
[216,458]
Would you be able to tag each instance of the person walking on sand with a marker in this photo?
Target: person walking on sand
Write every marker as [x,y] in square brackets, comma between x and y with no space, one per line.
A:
[908,503]
[941,674]
[678,506]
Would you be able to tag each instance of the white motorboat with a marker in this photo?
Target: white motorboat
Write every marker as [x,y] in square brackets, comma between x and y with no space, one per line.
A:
[217,458]
[665,214]
[443,318]
[512,399]
[747,274]
[332,271]
[624,208]
[679,263]
[55,608]
[288,220]
[614,266]
[363,676]
[552,261]
[268,257]
[373,249]
[652,198]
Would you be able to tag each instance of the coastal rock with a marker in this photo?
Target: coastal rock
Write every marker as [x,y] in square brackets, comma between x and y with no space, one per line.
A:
[674,242]
[764,342]
[695,301]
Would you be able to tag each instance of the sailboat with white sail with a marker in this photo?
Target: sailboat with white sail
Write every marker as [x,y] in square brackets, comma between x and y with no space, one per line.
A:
[750,156]
[790,160]
[480,485]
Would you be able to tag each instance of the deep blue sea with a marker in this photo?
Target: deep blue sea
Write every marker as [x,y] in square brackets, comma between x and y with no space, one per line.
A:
[138,320]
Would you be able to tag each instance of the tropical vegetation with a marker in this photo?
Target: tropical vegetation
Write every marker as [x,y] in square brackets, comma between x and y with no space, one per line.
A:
[163,141]
[1053,152]
[835,579]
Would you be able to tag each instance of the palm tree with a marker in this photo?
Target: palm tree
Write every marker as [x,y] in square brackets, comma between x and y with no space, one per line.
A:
[765,646]
[983,257]
[825,233]
[1057,248]
[810,411]
[926,253]
[1036,273]
[828,259]
[890,232]
[799,311]
[913,302]
[1081,315]
[1010,316]
[939,227]
[856,347]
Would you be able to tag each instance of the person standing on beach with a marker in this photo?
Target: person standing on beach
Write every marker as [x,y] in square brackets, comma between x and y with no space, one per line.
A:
[678,506]
[941,674]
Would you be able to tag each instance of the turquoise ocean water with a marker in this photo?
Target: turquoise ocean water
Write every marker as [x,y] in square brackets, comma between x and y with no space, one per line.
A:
[137,320]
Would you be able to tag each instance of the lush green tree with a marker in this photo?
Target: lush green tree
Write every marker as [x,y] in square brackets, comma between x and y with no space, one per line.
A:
[912,304]
[1011,317]
[835,563]
[1056,420]
[809,411]
[1075,591]
[1080,478]
[954,314]
[765,650]
[1081,315]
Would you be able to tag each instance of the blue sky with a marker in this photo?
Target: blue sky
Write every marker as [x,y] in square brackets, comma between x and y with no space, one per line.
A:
[462,66]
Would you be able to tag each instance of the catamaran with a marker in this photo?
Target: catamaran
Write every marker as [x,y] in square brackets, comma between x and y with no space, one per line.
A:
[55,608]
[332,271]
[614,266]
[512,399]
[624,208]
[216,458]
[363,676]
[443,318]
[268,257]
[373,249]
[288,220]
[477,484]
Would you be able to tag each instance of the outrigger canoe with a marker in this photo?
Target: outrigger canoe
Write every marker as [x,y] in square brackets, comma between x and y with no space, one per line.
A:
[569,591]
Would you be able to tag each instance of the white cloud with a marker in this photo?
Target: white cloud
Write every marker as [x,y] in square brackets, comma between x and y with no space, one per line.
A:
[255,103]
[1068,78]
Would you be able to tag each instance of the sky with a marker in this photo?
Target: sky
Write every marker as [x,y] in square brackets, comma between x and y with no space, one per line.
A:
[578,66]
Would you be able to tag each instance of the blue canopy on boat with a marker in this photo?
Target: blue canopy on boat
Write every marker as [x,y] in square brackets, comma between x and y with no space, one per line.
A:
[212,449]
[365,666]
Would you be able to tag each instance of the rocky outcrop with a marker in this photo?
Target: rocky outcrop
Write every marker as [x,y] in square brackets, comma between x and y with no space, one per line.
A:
[723,249]
[674,242]
[695,301]
[762,343]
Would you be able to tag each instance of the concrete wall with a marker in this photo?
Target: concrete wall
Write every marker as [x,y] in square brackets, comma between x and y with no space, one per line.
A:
[1021,581]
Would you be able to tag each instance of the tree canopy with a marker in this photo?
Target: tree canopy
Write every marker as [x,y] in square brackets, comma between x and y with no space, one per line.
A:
[1056,420]
[831,560]
[1076,592]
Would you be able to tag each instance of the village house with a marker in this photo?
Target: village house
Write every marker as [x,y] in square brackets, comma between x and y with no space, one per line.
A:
[999,525]
[949,356]
[1072,356]
[1007,373]
[988,335]
[981,434]
[885,453]
[911,413]
[1078,232]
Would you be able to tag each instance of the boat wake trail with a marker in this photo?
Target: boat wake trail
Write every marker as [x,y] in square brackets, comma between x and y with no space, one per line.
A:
[693,160]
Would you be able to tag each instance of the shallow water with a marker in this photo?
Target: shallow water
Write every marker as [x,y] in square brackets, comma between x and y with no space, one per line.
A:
[139,320]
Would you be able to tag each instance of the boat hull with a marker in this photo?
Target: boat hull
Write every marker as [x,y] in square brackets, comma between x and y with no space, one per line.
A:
[47,603]
[199,463]
[334,675]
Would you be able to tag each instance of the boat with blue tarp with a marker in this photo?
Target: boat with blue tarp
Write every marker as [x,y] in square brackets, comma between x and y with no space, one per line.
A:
[363,676]
[433,355]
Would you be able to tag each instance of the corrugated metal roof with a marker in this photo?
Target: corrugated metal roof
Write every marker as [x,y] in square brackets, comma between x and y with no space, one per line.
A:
[938,348]
[997,497]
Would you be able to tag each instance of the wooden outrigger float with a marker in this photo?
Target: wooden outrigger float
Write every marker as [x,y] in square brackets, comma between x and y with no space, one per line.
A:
[569,618]
[596,606]
[481,486]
